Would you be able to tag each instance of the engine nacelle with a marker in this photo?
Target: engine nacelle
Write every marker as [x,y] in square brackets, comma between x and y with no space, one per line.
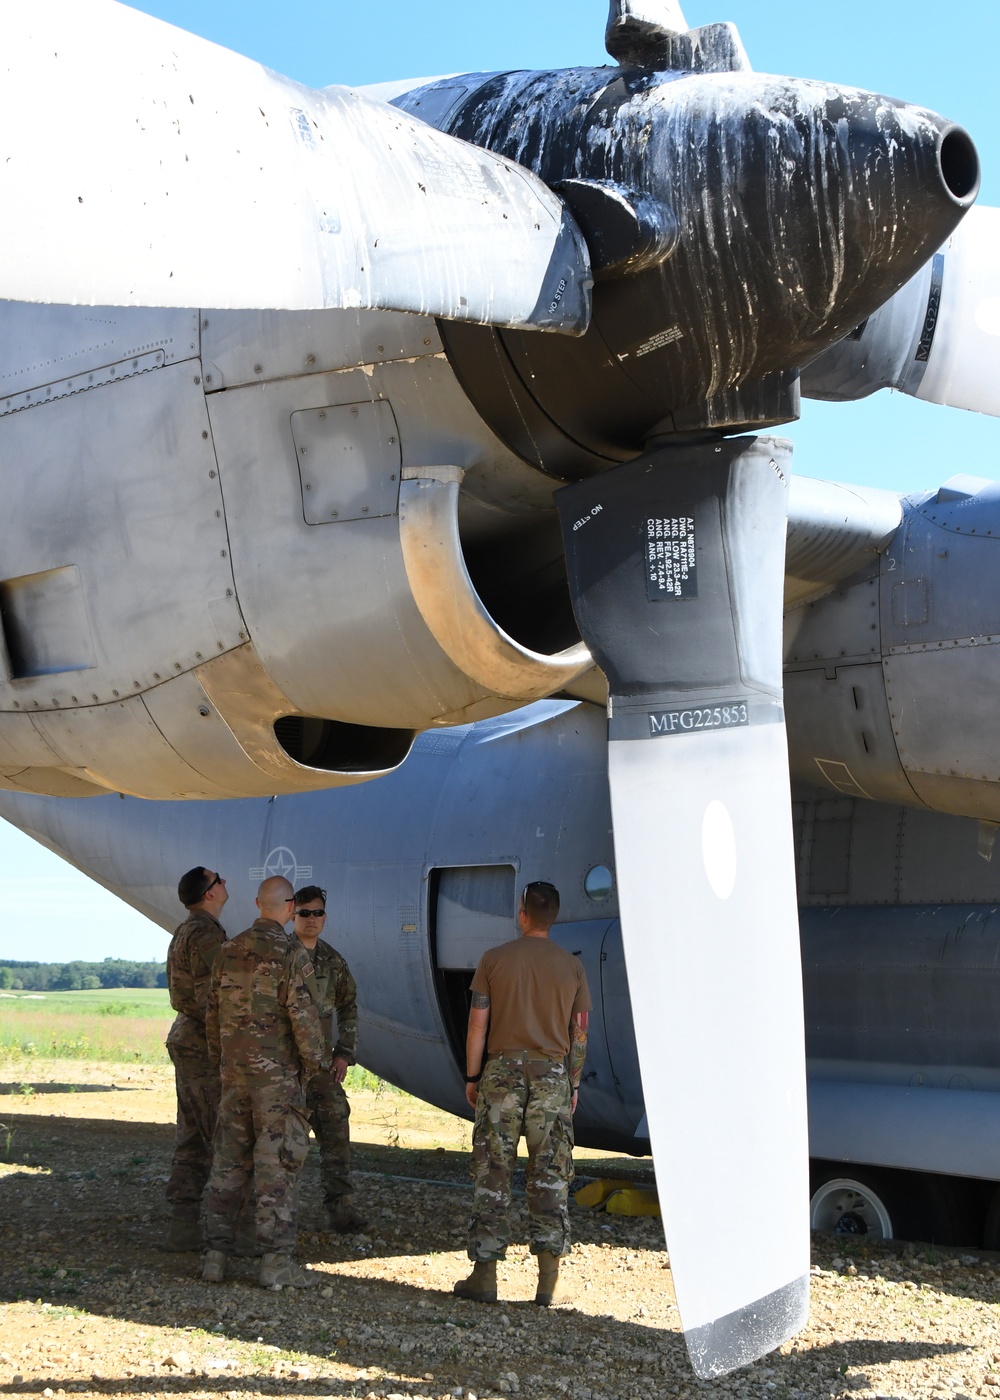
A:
[235,564]
[892,682]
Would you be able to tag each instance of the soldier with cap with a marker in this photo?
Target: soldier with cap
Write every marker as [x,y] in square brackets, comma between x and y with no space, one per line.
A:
[264,1028]
[532,998]
[326,1101]
[190,959]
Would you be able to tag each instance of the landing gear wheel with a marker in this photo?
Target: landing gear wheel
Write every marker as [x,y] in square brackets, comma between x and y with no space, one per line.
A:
[883,1204]
[846,1205]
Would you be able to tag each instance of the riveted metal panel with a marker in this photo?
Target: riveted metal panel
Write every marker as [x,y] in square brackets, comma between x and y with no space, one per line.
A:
[910,602]
[875,853]
[844,626]
[945,584]
[940,863]
[121,484]
[371,657]
[942,703]
[249,347]
[120,747]
[349,461]
[840,734]
[50,351]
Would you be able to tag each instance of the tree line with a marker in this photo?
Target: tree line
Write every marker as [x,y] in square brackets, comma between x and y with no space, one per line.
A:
[80,976]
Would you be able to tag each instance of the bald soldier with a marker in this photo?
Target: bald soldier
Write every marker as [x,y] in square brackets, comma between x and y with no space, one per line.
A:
[190,959]
[532,998]
[264,1029]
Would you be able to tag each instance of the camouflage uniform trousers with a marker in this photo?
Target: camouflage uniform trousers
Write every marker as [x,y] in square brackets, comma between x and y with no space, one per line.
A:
[198,1089]
[521,1094]
[330,1116]
[261,1143]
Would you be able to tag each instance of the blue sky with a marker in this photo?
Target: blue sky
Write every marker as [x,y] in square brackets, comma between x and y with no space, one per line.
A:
[944,58]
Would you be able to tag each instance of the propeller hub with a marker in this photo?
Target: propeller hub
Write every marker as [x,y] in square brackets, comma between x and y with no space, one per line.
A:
[794,209]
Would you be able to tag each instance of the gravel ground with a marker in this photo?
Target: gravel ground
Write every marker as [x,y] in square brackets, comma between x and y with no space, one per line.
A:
[89,1305]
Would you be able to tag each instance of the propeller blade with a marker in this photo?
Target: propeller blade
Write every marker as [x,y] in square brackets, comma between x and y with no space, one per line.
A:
[963,347]
[676,572]
[938,338]
[145,166]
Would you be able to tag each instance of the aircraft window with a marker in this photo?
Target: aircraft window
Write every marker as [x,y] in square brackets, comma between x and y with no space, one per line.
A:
[598,883]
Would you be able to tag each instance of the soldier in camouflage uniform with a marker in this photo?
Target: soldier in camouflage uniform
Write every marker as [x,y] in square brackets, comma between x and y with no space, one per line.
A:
[264,1027]
[532,997]
[326,1101]
[190,958]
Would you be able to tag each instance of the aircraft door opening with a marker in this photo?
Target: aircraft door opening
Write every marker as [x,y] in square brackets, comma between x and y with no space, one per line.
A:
[472,908]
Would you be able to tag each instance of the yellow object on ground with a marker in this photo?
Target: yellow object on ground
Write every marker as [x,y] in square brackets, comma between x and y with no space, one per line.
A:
[595,1193]
[633,1200]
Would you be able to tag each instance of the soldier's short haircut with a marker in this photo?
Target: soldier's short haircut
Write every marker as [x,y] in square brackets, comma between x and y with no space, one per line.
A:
[192,886]
[540,901]
[308,893]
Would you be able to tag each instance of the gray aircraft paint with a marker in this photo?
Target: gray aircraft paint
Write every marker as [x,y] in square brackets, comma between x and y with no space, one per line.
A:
[266,523]
[898,915]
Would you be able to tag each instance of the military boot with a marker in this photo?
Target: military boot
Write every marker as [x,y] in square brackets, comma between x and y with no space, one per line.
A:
[481,1285]
[245,1245]
[551,1289]
[343,1218]
[213,1269]
[184,1231]
[282,1269]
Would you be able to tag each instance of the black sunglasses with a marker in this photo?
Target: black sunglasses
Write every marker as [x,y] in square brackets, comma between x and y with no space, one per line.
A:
[540,885]
[219,880]
[310,913]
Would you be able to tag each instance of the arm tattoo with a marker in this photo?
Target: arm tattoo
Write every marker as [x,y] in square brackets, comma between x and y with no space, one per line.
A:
[577,1052]
[480,1001]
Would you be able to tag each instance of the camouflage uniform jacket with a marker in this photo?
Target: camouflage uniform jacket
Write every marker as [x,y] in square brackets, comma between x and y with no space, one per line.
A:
[263,1022]
[190,959]
[338,997]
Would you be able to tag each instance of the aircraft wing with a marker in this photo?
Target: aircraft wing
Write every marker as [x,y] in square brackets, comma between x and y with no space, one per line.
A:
[162,170]
[833,530]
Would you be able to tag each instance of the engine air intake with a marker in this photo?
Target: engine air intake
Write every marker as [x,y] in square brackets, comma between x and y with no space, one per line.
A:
[339,747]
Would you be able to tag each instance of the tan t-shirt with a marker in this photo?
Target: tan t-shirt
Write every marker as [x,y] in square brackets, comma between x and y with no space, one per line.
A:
[535,989]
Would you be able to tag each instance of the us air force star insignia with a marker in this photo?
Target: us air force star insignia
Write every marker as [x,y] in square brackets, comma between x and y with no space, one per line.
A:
[281,861]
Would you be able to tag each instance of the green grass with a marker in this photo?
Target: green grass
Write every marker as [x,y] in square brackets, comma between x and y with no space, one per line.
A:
[122,1025]
[126,1025]
[106,1001]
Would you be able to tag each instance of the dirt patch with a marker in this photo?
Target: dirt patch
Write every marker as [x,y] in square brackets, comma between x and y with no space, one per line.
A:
[89,1305]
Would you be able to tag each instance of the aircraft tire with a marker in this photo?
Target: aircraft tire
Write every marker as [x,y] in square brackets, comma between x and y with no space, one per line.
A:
[852,1201]
[878,1203]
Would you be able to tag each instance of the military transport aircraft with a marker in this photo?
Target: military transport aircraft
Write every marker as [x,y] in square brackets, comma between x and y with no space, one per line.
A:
[474,411]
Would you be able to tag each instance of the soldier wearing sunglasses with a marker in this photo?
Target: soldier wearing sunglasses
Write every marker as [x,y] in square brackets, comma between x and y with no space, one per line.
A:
[190,958]
[329,1111]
